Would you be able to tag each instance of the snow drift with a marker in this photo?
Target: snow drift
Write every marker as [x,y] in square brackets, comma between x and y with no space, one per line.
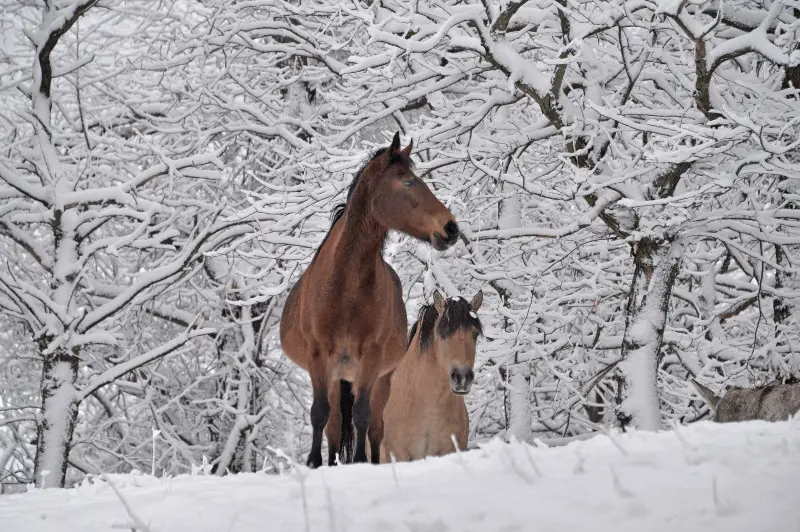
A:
[705,477]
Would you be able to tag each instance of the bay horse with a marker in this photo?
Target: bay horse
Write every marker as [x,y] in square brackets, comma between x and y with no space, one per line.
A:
[426,407]
[344,321]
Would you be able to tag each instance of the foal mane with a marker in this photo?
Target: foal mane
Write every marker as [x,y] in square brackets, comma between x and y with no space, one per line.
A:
[457,315]
[338,210]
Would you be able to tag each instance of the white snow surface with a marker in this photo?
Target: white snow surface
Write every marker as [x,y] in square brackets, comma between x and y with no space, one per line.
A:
[704,477]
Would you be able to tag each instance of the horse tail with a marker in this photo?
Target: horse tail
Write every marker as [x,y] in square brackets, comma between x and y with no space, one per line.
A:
[347,441]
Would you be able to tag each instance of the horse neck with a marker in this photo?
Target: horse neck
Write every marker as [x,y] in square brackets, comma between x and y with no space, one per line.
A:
[362,235]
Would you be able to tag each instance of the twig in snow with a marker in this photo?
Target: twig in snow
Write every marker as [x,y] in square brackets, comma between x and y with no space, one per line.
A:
[459,457]
[690,452]
[531,461]
[515,467]
[578,469]
[301,477]
[785,447]
[615,442]
[329,501]
[684,442]
[721,506]
[394,469]
[137,524]
[300,473]
[621,491]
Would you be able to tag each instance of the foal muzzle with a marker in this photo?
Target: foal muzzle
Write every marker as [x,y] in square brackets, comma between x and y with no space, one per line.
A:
[461,380]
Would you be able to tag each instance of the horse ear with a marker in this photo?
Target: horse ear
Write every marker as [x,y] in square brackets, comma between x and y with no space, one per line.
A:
[406,152]
[395,144]
[475,304]
[439,302]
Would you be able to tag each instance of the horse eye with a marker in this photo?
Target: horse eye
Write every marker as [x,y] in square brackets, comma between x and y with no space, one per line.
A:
[408,181]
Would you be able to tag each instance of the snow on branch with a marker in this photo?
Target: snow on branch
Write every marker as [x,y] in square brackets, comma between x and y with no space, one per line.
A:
[756,41]
[119,370]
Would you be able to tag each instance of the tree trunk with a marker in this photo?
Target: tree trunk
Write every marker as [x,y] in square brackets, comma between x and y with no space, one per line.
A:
[645,319]
[59,413]
[232,454]
[780,308]
[233,445]
[520,422]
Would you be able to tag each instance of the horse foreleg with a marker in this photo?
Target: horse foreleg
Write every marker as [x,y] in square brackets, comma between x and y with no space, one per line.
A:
[320,409]
[333,430]
[361,415]
[378,400]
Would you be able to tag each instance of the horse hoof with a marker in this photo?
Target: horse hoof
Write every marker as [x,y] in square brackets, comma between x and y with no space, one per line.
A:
[314,462]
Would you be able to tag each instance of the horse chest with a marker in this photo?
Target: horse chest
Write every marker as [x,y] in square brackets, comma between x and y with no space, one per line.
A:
[346,324]
[345,315]
[433,434]
[361,308]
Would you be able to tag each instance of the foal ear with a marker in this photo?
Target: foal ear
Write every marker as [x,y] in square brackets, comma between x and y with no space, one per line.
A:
[439,302]
[406,152]
[475,304]
[393,149]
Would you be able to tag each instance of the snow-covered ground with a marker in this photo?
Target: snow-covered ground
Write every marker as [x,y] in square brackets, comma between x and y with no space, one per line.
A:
[706,477]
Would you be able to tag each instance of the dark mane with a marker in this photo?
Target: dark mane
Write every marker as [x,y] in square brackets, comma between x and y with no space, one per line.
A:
[426,319]
[338,210]
[357,177]
[457,315]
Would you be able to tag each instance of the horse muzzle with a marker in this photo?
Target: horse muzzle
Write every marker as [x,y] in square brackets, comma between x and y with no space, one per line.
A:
[461,380]
[442,242]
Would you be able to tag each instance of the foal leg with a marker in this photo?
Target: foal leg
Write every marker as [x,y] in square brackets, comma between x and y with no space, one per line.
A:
[333,430]
[320,409]
[378,400]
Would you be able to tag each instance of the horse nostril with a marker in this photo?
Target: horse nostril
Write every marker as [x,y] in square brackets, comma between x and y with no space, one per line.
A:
[461,379]
[469,377]
[451,228]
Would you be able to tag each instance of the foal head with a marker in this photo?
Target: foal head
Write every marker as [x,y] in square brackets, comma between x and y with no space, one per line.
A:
[397,199]
[451,327]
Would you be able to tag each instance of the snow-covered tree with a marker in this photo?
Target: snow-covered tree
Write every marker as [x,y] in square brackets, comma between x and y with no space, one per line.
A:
[107,209]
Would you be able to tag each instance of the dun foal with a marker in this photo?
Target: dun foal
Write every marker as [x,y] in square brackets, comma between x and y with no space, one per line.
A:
[344,321]
[426,405]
